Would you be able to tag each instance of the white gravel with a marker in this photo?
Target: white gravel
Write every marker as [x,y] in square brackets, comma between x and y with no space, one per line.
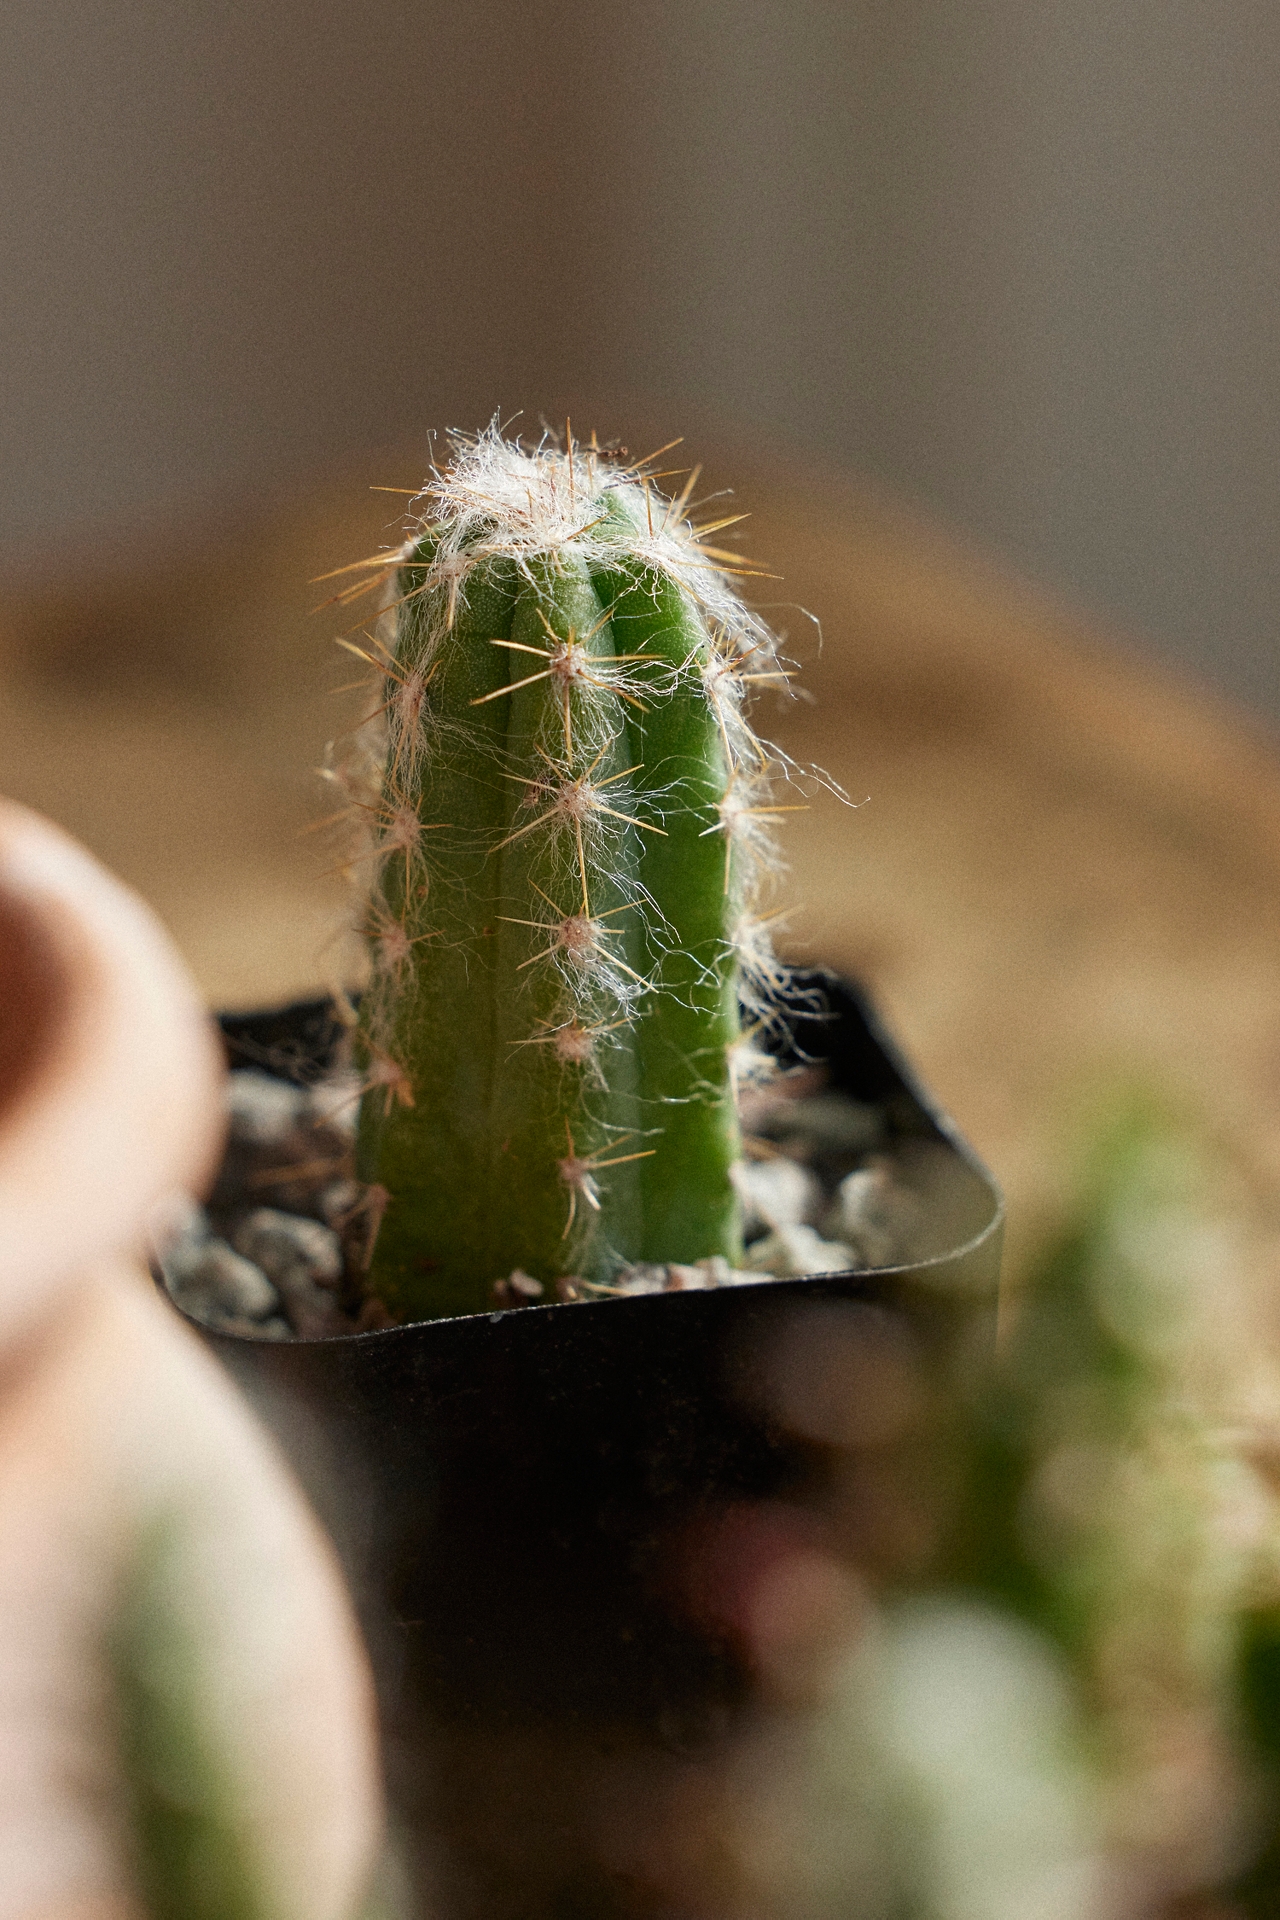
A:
[791,1252]
[263,1110]
[280,1277]
[302,1258]
[338,1200]
[776,1193]
[213,1283]
[287,1244]
[874,1212]
[335,1102]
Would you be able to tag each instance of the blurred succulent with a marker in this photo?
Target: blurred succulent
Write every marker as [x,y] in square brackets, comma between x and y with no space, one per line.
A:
[1070,1706]
[1118,1505]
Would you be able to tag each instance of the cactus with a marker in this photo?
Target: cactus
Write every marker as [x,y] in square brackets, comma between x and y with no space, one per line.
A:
[565,841]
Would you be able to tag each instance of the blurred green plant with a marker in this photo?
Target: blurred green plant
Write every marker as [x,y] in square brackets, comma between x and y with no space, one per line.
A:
[195,1850]
[1116,1504]
[1071,1708]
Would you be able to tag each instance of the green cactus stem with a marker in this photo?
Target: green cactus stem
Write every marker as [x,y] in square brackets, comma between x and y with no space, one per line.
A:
[565,846]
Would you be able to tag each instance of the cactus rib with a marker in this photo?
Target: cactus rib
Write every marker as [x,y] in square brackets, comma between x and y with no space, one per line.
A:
[565,843]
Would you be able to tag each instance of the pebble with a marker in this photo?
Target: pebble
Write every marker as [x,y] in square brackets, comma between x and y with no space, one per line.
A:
[281,1276]
[337,1201]
[334,1102]
[301,1257]
[263,1110]
[713,1271]
[642,1277]
[791,1252]
[519,1289]
[288,1246]
[276,1328]
[179,1226]
[873,1212]
[290,1147]
[215,1284]
[776,1193]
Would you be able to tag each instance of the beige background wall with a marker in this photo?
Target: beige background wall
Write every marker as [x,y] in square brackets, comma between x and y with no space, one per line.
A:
[1016,257]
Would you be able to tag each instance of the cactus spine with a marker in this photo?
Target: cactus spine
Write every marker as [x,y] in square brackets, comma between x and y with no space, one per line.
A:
[564,844]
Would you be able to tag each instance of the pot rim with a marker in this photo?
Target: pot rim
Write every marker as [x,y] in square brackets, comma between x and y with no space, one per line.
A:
[929,1273]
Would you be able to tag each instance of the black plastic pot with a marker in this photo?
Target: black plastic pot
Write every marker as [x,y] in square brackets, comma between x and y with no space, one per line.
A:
[532,1505]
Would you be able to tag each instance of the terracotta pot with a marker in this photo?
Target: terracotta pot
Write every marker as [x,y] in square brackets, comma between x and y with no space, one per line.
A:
[599,1548]
[182,1690]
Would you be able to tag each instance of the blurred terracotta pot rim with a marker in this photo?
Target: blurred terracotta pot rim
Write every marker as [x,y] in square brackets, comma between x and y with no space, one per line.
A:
[108,1066]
